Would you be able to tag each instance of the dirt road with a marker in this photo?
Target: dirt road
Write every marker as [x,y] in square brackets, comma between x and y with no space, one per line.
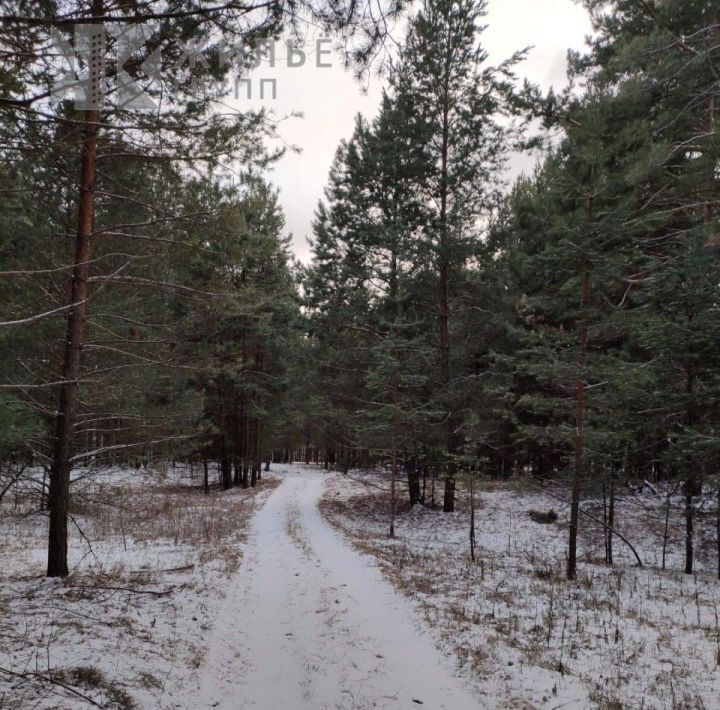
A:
[310,624]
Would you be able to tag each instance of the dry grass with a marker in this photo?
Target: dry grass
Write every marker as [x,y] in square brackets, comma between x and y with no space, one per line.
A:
[614,638]
[150,560]
[180,513]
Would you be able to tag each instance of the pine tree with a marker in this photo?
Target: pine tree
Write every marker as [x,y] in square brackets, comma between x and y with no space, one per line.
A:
[663,58]
[452,103]
[570,253]
[184,127]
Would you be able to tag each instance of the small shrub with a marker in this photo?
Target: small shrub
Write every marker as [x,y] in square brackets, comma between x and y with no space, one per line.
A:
[546,570]
[88,676]
[543,517]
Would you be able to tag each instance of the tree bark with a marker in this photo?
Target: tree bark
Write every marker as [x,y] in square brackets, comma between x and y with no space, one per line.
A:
[689,525]
[393,478]
[450,466]
[605,519]
[62,445]
[238,428]
[253,452]
[472,520]
[667,525]
[693,483]
[611,523]
[413,476]
[444,295]
[579,418]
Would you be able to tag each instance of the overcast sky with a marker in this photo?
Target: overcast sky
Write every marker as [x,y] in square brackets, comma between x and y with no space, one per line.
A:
[329,98]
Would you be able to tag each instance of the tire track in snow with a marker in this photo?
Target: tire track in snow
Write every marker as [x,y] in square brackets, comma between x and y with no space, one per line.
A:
[310,624]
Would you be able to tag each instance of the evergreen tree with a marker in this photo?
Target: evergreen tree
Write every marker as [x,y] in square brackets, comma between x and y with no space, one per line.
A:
[663,59]
[453,103]
[185,126]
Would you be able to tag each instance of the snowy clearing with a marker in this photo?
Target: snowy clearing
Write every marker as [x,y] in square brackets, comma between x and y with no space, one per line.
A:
[617,638]
[128,627]
[305,622]
[250,599]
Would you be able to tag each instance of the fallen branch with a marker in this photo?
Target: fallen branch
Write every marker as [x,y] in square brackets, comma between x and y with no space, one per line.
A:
[153,592]
[595,519]
[184,568]
[53,681]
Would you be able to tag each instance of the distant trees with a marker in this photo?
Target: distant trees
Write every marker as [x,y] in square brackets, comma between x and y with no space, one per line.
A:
[238,340]
[567,328]
[406,204]
[78,157]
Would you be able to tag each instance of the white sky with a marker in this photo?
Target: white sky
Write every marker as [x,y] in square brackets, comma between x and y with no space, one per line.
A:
[329,98]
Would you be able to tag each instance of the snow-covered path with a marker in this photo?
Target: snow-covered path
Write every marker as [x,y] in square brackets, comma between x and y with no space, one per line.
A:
[309,624]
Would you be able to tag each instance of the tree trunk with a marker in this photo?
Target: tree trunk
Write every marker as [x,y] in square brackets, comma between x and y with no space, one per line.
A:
[667,525]
[245,474]
[226,472]
[239,434]
[253,452]
[611,523]
[61,463]
[43,491]
[432,488]
[444,292]
[451,449]
[225,466]
[693,483]
[472,520]
[393,477]
[689,525]
[579,418]
[413,476]
[605,520]
[424,482]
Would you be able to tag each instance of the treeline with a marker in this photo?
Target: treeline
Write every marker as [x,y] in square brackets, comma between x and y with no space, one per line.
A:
[150,308]
[566,327]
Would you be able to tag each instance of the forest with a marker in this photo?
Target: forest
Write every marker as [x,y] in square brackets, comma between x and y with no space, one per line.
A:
[459,336]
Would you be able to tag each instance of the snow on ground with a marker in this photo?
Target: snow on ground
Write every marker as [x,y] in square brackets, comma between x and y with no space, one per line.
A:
[312,625]
[151,558]
[249,600]
[617,638]
[178,600]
